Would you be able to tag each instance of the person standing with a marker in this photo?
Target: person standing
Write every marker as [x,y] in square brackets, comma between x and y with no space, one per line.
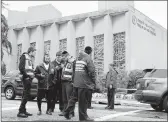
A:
[111,85]
[57,89]
[67,78]
[84,79]
[44,73]
[26,69]
[89,98]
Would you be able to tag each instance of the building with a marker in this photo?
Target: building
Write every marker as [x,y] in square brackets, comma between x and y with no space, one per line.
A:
[118,33]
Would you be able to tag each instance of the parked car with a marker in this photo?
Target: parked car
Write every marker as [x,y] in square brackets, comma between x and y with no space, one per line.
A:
[152,89]
[12,85]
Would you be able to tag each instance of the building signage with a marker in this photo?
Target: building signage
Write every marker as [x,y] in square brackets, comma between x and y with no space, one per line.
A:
[143,25]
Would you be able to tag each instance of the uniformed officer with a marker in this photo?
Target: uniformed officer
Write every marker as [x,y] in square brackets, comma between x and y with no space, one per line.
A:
[26,69]
[84,80]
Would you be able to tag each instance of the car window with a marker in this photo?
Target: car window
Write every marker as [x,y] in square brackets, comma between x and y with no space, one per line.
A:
[158,73]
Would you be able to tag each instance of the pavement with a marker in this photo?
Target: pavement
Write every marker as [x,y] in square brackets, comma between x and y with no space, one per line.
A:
[124,110]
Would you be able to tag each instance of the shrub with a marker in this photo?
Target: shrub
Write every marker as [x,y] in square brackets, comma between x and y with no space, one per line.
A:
[3,68]
[134,75]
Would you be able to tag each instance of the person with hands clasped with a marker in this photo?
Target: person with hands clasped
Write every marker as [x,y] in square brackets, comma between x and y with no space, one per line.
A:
[111,84]
[44,73]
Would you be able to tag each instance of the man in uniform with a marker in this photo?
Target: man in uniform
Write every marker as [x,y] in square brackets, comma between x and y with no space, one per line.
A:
[26,69]
[57,90]
[67,78]
[84,80]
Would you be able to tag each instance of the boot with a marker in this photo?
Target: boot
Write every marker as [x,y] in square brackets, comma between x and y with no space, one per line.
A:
[22,115]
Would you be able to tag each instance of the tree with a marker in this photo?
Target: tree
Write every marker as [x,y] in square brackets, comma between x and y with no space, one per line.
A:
[4,38]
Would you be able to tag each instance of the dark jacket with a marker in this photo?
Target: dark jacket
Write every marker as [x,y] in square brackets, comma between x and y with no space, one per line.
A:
[111,79]
[22,65]
[44,82]
[84,72]
[57,72]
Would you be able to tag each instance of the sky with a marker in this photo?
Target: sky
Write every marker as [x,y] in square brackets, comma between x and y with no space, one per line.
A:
[156,10]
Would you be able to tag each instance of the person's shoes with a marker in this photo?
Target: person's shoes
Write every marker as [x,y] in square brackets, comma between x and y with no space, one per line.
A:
[28,114]
[71,115]
[110,108]
[61,114]
[39,113]
[66,115]
[52,110]
[88,119]
[106,107]
[90,107]
[22,115]
[49,112]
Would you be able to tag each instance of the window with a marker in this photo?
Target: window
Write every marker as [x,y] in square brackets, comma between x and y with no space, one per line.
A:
[63,45]
[47,47]
[19,53]
[79,45]
[119,50]
[99,54]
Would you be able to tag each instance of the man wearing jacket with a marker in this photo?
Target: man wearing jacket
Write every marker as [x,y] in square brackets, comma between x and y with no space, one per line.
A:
[44,73]
[67,78]
[84,80]
[57,89]
[26,69]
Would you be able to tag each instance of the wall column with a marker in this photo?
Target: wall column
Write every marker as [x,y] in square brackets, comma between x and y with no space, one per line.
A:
[39,45]
[108,42]
[71,42]
[89,34]
[25,40]
[128,59]
[12,37]
[54,40]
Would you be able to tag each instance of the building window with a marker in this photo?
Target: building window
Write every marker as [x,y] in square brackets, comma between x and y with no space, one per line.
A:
[80,43]
[33,44]
[19,53]
[99,55]
[119,50]
[47,47]
[63,44]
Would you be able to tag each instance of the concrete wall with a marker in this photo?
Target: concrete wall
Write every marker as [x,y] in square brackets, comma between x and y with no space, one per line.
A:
[105,5]
[16,17]
[42,12]
[63,31]
[98,26]
[147,42]
[80,28]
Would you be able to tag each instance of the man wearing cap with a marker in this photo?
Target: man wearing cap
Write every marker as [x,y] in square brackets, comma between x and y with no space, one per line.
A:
[26,69]
[67,78]
[57,89]
[84,80]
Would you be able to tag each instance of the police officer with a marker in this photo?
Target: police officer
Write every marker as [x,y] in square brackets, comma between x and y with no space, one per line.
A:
[84,80]
[57,90]
[67,78]
[44,73]
[26,69]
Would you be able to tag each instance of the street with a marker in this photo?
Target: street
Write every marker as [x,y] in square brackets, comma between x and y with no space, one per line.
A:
[130,111]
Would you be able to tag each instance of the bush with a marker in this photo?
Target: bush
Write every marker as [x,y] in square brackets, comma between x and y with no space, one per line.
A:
[3,68]
[134,75]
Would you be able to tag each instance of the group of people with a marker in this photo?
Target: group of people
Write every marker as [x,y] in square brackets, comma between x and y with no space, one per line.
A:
[66,78]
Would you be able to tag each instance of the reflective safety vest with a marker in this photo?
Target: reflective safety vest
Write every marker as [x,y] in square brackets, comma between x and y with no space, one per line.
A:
[28,65]
[80,66]
[68,71]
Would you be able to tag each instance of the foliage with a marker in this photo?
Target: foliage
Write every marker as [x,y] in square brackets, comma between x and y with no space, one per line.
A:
[3,68]
[4,34]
